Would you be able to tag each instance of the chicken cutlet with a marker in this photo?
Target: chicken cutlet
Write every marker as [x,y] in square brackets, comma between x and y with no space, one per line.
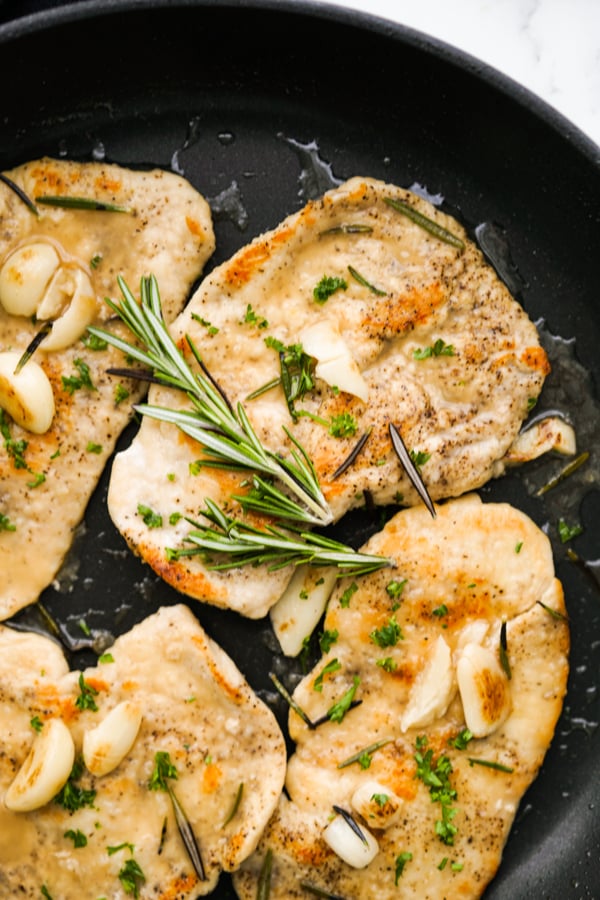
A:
[369,307]
[61,415]
[164,714]
[427,718]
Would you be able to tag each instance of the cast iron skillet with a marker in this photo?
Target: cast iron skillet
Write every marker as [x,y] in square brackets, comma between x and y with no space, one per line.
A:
[228,87]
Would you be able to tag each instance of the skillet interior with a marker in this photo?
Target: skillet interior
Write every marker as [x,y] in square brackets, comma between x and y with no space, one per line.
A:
[136,79]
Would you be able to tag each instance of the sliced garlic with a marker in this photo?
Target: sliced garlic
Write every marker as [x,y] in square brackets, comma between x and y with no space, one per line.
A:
[335,363]
[473,633]
[298,610]
[27,395]
[72,287]
[45,770]
[105,746]
[432,689]
[549,434]
[25,276]
[376,803]
[484,689]
[344,841]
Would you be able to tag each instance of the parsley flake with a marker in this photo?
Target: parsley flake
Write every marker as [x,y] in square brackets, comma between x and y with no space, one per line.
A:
[334,665]
[337,712]
[86,697]
[327,286]
[388,635]
[163,769]
[151,519]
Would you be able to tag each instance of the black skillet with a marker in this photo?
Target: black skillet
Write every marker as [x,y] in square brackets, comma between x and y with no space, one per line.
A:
[281,98]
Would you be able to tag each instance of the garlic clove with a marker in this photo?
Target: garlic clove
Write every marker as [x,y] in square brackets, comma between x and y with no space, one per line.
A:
[484,689]
[25,276]
[376,803]
[298,610]
[335,363]
[80,312]
[26,395]
[550,434]
[45,770]
[105,746]
[432,689]
[344,841]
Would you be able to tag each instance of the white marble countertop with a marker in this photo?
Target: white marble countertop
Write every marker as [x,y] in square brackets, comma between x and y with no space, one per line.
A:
[550,47]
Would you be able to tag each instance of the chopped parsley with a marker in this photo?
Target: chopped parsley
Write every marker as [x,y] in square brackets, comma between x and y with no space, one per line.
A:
[337,712]
[387,664]
[461,740]
[394,589]
[440,611]
[72,383]
[334,665]
[439,348]
[106,658]
[210,328]
[343,425]
[121,394]
[94,448]
[251,318]
[125,845]
[163,769]
[380,799]
[388,635]
[401,861]
[15,449]
[518,546]
[568,532]
[436,777]
[347,595]
[419,457]
[6,524]
[327,286]
[151,519]
[327,639]
[73,797]
[85,700]
[78,837]
[131,876]
[36,723]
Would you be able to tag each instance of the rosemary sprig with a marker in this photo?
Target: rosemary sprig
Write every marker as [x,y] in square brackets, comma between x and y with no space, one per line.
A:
[226,434]
[241,544]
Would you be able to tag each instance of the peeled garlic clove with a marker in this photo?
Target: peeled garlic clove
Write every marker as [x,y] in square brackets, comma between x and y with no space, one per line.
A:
[432,689]
[549,434]
[24,277]
[27,395]
[80,312]
[106,745]
[335,363]
[344,841]
[484,689]
[298,610]
[376,803]
[45,770]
